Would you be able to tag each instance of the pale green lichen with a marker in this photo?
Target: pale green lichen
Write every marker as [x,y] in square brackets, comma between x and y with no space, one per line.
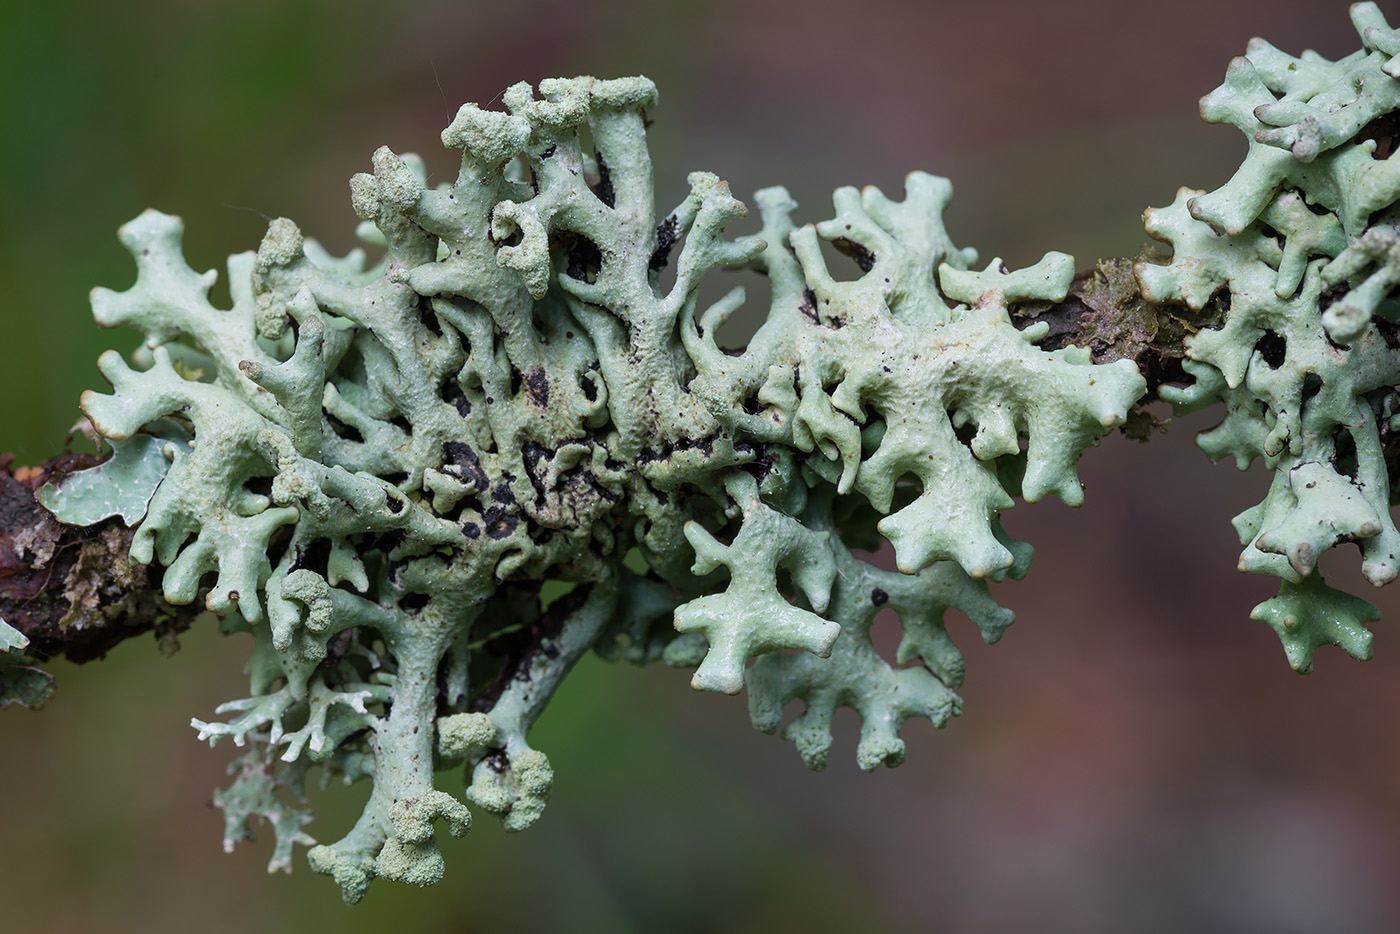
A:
[1304,241]
[21,682]
[374,471]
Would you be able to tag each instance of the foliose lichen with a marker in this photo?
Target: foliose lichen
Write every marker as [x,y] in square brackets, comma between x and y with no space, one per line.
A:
[1304,241]
[426,487]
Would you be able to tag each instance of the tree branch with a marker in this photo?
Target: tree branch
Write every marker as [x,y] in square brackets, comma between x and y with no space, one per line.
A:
[74,593]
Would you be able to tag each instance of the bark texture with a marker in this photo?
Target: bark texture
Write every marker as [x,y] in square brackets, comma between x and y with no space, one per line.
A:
[73,591]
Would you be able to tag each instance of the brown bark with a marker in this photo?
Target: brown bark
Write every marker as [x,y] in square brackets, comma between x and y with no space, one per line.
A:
[71,590]
[1106,313]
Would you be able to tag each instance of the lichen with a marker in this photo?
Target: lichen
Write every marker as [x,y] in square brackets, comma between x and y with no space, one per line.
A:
[21,682]
[375,470]
[1301,244]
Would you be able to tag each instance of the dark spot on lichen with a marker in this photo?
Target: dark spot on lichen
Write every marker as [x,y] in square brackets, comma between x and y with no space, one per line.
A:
[342,430]
[428,318]
[313,556]
[856,251]
[453,395]
[1385,130]
[665,239]
[603,188]
[1344,455]
[1386,329]
[585,260]
[499,523]
[1272,348]
[537,385]
[964,432]
[259,486]
[879,597]
[459,455]
[533,453]
[388,541]
[1312,385]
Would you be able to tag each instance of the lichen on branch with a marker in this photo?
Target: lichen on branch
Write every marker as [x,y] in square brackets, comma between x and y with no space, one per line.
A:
[384,475]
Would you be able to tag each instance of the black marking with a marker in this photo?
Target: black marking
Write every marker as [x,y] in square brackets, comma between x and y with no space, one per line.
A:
[1312,384]
[313,556]
[537,385]
[604,188]
[666,237]
[1344,457]
[1385,130]
[460,455]
[390,540]
[856,251]
[453,395]
[585,260]
[1272,348]
[499,523]
[533,453]
[347,432]
[428,318]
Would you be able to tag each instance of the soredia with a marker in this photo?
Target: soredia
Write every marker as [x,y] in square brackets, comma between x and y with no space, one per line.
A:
[425,488]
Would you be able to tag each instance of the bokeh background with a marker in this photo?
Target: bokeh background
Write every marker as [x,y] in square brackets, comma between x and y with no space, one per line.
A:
[1135,755]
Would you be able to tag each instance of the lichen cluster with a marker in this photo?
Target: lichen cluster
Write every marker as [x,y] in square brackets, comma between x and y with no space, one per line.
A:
[1304,242]
[426,487]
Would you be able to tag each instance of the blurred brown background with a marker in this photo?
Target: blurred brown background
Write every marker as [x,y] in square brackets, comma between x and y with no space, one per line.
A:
[1135,755]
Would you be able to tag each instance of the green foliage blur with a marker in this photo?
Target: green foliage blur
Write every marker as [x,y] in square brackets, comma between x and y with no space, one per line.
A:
[1135,754]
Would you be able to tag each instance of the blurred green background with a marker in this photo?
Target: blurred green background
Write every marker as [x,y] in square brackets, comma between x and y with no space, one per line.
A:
[1135,755]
